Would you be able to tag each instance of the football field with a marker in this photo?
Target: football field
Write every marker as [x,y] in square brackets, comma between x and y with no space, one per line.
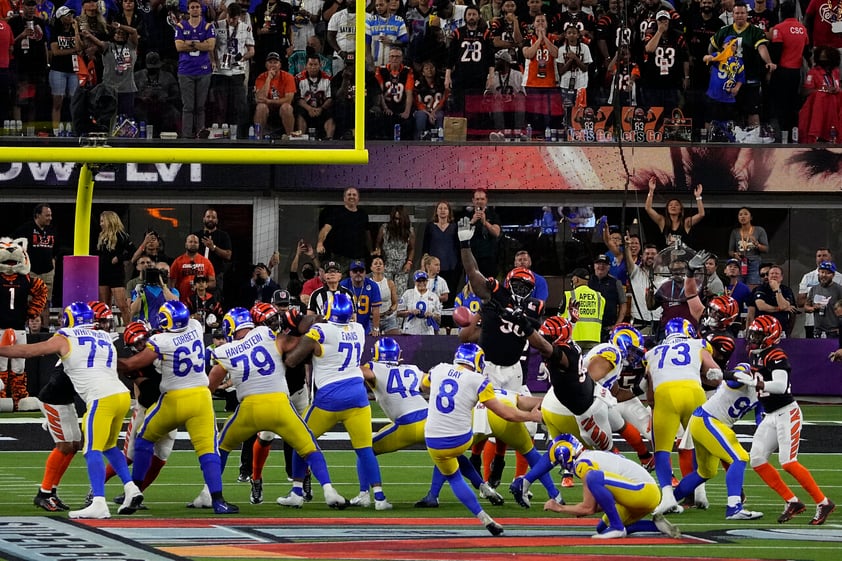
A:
[169,530]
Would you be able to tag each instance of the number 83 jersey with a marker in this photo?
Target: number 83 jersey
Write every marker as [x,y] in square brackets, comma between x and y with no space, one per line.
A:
[181,357]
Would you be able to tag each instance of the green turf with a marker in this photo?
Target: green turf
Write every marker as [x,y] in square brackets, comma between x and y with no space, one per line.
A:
[406,475]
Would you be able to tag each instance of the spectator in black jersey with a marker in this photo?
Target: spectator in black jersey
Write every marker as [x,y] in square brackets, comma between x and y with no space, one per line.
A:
[259,288]
[774,298]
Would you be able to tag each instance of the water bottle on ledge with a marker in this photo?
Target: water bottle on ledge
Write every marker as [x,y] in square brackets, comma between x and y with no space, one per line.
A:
[528,133]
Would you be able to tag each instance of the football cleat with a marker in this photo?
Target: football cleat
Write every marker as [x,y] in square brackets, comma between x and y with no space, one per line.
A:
[307,485]
[333,499]
[498,464]
[133,499]
[700,498]
[567,480]
[486,492]
[363,500]
[120,498]
[494,528]
[739,513]
[46,502]
[89,498]
[202,501]
[221,507]
[792,508]
[243,478]
[610,534]
[428,502]
[668,503]
[665,527]
[292,500]
[57,501]
[517,490]
[256,491]
[822,512]
[97,510]
[382,505]
[648,462]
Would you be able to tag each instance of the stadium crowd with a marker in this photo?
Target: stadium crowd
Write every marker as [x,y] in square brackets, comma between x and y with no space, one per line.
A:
[276,67]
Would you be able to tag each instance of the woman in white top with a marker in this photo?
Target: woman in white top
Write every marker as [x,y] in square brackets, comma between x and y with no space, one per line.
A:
[389,324]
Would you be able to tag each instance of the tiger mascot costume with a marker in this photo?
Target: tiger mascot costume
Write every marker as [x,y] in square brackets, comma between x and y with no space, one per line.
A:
[21,297]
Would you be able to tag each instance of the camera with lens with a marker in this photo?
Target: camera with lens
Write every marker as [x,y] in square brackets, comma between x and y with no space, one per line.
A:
[152,276]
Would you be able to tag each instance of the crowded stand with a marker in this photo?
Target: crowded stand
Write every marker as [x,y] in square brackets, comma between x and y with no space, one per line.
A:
[560,70]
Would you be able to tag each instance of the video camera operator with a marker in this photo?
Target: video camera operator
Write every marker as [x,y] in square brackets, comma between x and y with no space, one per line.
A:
[151,292]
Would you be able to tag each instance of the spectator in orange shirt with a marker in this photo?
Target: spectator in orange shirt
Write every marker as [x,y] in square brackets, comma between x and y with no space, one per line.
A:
[542,99]
[274,91]
[189,265]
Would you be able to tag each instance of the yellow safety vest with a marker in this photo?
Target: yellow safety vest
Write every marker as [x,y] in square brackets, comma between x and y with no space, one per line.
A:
[591,309]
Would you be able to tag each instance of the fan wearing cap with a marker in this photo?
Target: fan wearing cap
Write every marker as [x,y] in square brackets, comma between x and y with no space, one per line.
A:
[204,305]
[366,295]
[612,290]
[317,305]
[88,356]
[665,77]
[820,301]
[420,308]
[508,96]
[195,39]
[234,49]
[811,279]
[274,91]
[65,47]
[736,288]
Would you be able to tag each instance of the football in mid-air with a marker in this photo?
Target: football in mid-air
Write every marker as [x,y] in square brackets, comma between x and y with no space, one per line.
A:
[462,316]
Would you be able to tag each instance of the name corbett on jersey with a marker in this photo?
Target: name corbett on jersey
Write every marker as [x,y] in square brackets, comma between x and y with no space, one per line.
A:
[243,345]
[186,338]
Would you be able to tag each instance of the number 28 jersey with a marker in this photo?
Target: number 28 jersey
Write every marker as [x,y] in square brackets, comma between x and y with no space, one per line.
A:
[181,357]
[340,349]
[254,363]
[397,388]
[91,363]
[454,392]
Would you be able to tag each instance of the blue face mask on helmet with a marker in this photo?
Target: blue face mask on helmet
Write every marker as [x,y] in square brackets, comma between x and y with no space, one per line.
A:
[340,308]
[173,316]
[78,314]
[470,355]
[234,320]
[679,328]
[386,350]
